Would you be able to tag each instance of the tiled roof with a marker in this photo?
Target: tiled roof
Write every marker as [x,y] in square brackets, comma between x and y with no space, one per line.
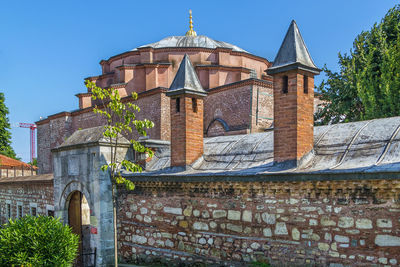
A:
[6,162]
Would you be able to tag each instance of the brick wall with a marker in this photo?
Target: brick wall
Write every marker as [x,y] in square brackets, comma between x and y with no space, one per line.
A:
[350,222]
[233,106]
[51,134]
[186,129]
[28,194]
[294,116]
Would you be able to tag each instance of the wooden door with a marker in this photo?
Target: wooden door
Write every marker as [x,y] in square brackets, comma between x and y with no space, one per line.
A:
[75,221]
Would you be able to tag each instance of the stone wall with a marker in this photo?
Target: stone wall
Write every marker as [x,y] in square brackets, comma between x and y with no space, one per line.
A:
[16,172]
[36,194]
[350,222]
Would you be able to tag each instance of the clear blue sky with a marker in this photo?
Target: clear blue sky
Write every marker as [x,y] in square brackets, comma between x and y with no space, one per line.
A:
[47,48]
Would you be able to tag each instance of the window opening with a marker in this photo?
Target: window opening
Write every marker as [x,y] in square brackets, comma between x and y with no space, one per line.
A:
[178,104]
[8,211]
[33,211]
[305,84]
[285,84]
[19,211]
[194,105]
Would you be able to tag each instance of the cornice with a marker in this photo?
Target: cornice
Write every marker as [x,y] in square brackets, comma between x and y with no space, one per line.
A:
[186,49]
[250,81]
[223,67]
[145,65]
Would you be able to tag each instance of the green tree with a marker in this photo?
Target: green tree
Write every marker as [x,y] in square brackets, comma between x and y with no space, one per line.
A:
[368,84]
[37,241]
[5,135]
[120,120]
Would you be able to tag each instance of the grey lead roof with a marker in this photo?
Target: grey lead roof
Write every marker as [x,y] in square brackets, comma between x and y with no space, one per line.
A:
[293,52]
[365,146]
[191,41]
[89,136]
[186,80]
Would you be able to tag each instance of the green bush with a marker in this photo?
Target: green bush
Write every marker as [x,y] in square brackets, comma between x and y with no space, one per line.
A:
[37,241]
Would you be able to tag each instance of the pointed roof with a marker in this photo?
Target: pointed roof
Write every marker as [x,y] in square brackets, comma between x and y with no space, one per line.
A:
[186,80]
[293,53]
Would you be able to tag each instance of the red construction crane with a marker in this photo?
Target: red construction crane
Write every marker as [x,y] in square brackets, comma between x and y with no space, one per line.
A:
[32,127]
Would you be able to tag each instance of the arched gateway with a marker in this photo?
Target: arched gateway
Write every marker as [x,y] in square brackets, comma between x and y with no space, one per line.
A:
[82,193]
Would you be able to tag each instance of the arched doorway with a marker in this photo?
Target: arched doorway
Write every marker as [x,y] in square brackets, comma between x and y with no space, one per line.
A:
[79,220]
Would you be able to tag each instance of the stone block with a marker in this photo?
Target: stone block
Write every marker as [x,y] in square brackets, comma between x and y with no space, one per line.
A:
[327,221]
[295,234]
[280,229]
[139,239]
[387,241]
[384,223]
[323,246]
[234,215]
[176,211]
[268,218]
[234,227]
[342,239]
[188,211]
[247,216]
[364,224]
[200,226]
[346,222]
[217,214]
[267,232]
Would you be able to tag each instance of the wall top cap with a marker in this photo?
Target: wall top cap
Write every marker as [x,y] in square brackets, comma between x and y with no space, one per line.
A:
[293,53]
[186,80]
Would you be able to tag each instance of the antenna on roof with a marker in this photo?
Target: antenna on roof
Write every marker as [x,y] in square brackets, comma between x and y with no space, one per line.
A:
[191,32]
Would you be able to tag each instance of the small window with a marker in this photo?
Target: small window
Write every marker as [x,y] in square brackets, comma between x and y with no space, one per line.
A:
[253,74]
[33,211]
[178,104]
[194,105]
[305,84]
[8,211]
[285,84]
[19,211]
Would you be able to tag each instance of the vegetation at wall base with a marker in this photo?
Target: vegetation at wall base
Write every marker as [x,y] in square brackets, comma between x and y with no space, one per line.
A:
[368,84]
[37,241]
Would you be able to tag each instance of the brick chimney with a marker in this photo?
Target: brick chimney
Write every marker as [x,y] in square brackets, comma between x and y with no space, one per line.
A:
[186,95]
[293,71]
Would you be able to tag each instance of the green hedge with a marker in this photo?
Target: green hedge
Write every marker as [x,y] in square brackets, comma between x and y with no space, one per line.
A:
[37,241]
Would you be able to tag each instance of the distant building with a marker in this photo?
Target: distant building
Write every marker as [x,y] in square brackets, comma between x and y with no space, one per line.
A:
[10,167]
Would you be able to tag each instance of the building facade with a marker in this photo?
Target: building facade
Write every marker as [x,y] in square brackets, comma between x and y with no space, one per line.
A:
[224,187]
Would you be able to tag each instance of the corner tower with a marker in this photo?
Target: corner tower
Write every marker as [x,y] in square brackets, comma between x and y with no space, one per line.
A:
[186,110]
[293,71]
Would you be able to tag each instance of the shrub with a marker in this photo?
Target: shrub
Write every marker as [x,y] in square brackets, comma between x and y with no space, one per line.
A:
[37,241]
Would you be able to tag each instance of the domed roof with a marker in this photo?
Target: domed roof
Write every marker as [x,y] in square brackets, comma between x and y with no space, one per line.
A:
[192,41]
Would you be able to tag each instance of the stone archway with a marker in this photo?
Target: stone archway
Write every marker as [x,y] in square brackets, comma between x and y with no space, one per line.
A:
[79,220]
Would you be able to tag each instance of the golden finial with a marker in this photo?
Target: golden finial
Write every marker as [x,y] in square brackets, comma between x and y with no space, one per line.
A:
[191,32]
